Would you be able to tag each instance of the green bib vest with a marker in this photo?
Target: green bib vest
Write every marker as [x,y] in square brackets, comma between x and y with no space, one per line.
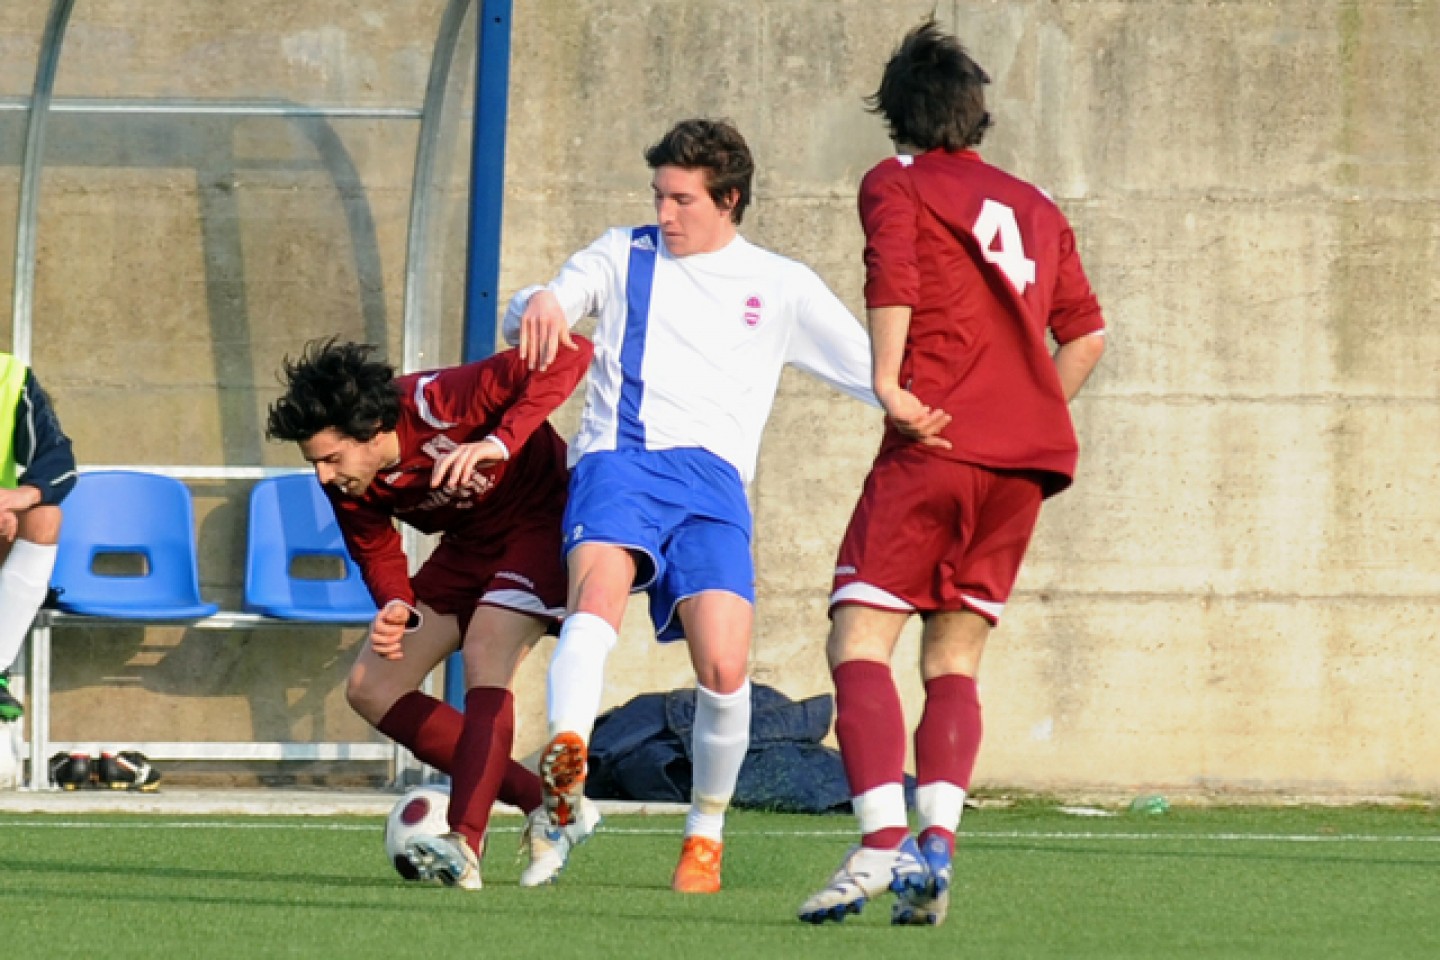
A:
[12,387]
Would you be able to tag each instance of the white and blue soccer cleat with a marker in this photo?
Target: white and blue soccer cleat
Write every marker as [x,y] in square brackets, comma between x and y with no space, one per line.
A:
[549,846]
[447,858]
[927,907]
[866,873]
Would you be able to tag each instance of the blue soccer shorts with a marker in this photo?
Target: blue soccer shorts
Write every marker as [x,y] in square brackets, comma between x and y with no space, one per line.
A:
[681,513]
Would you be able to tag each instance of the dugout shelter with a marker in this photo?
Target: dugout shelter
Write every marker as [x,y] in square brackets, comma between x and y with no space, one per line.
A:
[188,193]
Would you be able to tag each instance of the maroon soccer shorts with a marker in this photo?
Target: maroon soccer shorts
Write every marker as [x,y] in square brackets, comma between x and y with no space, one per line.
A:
[931,534]
[521,571]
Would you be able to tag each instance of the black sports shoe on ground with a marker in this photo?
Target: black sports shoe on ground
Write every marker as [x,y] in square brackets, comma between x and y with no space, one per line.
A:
[71,771]
[127,770]
[10,708]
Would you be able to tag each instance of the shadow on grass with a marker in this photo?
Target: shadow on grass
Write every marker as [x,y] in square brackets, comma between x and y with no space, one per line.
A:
[644,907]
[1339,858]
[151,872]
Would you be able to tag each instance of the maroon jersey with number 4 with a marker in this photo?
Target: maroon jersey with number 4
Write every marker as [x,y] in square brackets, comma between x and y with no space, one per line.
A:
[987,264]
[439,411]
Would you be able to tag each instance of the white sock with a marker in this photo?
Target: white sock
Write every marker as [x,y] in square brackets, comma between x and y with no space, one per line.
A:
[24,580]
[880,808]
[939,804]
[721,739]
[577,674]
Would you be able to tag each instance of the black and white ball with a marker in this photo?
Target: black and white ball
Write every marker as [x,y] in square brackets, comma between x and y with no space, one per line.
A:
[423,811]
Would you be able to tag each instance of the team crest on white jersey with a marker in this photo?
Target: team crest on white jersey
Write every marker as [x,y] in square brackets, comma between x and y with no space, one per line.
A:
[643,242]
[753,306]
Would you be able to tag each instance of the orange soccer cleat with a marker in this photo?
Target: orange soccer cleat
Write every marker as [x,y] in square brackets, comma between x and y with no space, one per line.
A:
[699,868]
[562,774]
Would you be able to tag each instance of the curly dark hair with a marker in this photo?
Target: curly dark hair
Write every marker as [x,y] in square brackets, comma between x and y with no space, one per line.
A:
[716,147]
[932,94]
[335,384]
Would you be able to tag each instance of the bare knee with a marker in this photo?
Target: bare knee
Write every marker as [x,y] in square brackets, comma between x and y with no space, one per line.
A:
[953,643]
[368,696]
[600,579]
[40,525]
[862,633]
[722,678]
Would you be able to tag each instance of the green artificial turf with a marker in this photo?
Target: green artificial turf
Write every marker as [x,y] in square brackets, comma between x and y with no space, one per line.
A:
[1030,882]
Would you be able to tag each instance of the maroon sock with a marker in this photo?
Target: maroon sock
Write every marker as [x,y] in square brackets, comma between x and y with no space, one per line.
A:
[424,726]
[431,730]
[870,725]
[481,760]
[521,788]
[948,738]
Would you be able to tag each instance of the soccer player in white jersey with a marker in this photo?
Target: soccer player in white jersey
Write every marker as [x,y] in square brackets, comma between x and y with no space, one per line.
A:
[695,325]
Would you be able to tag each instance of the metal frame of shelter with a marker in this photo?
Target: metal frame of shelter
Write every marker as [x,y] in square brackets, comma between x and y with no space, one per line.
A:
[482,277]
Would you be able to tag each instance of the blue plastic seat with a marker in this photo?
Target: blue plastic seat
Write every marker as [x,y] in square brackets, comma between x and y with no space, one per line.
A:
[142,516]
[291,520]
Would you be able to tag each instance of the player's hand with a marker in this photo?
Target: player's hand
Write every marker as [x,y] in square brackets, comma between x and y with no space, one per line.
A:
[19,499]
[914,419]
[387,630]
[454,470]
[9,525]
[544,328]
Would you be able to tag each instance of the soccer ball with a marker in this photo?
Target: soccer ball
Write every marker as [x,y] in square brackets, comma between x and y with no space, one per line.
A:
[423,811]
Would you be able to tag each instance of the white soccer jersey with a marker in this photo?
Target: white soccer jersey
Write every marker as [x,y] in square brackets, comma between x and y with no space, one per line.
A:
[688,350]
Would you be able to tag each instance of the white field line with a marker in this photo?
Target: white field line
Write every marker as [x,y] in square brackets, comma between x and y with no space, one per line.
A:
[971,835]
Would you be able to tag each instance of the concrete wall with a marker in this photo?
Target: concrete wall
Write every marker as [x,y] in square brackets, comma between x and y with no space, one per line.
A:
[1238,594]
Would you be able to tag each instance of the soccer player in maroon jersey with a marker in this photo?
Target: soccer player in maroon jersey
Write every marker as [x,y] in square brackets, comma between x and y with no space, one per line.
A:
[968,270]
[465,452]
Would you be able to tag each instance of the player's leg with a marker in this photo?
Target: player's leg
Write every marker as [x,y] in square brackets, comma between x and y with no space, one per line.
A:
[870,727]
[947,739]
[610,549]
[947,742]
[884,574]
[717,627]
[999,514]
[600,578]
[462,577]
[705,592]
[24,581]
[386,692]
[869,720]
[496,641]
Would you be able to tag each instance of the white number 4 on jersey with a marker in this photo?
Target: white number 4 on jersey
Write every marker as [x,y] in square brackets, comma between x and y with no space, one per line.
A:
[999,236]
